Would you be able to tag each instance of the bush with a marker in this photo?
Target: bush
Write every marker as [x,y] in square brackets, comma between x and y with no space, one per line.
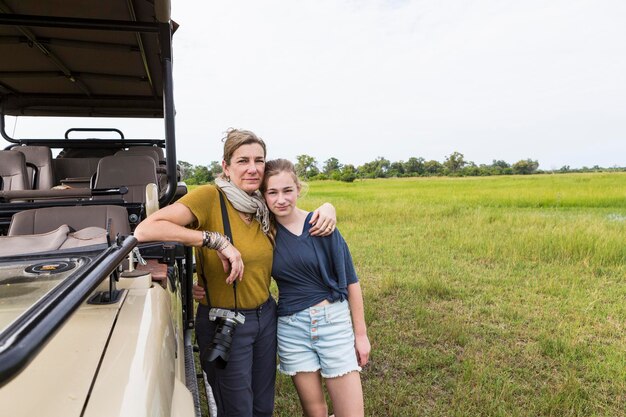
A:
[348,176]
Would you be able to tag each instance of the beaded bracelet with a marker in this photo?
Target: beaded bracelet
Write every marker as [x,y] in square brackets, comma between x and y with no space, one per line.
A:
[205,238]
[214,240]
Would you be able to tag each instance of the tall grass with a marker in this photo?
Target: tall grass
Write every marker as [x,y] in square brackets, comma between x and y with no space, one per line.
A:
[500,296]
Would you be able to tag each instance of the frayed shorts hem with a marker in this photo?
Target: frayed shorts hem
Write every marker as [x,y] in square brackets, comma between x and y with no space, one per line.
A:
[292,373]
[338,374]
[324,375]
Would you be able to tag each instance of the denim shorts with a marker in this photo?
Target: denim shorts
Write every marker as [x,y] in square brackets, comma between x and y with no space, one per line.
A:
[317,338]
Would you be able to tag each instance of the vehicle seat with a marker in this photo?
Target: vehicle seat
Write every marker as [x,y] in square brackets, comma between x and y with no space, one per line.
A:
[60,238]
[144,150]
[41,157]
[44,220]
[13,172]
[159,162]
[133,171]
[77,170]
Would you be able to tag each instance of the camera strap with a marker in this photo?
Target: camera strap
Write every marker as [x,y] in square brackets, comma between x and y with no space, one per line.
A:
[228,233]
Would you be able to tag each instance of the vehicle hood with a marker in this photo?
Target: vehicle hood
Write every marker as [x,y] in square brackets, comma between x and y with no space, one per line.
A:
[58,380]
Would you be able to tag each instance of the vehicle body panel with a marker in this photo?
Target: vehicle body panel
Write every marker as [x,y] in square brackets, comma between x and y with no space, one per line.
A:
[140,374]
[138,369]
[58,380]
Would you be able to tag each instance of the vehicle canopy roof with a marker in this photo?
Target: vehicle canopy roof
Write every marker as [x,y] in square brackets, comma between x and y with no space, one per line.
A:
[84,57]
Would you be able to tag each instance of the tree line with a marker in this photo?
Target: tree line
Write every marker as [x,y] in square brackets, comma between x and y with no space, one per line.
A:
[454,165]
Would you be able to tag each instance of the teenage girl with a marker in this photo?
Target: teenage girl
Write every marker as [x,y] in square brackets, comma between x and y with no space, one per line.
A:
[321,326]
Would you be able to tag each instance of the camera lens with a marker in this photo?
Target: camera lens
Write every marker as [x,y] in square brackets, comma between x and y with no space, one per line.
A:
[219,348]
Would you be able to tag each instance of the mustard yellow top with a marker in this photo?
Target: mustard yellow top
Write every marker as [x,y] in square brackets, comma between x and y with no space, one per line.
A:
[256,251]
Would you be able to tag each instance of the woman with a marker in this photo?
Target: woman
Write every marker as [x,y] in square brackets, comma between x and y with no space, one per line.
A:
[246,386]
[318,291]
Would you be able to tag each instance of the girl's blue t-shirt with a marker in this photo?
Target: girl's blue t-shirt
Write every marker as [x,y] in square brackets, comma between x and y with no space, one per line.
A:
[310,269]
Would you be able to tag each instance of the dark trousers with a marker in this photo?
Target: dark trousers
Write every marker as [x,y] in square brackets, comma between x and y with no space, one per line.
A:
[245,388]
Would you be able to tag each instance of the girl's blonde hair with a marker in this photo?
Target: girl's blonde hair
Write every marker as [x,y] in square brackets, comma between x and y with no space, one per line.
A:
[275,167]
[272,168]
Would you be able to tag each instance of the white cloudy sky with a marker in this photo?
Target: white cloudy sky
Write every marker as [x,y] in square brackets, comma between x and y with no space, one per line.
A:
[492,79]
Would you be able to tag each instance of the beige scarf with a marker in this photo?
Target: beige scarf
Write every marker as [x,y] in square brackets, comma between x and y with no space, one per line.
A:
[246,203]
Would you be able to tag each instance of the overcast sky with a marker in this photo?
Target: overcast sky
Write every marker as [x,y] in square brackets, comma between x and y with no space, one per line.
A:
[492,79]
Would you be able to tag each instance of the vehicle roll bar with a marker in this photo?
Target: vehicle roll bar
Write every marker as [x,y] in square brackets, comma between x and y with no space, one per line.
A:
[93,129]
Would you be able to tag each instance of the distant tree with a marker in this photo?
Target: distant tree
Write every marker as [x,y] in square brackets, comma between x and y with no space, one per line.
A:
[320,176]
[367,170]
[375,169]
[202,175]
[331,165]
[196,174]
[454,162]
[497,167]
[414,166]
[396,169]
[525,166]
[348,173]
[470,170]
[306,166]
[453,165]
[484,170]
[215,168]
[185,170]
[383,166]
[433,167]
[500,164]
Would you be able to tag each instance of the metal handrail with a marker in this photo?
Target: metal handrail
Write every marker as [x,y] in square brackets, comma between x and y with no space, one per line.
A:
[93,129]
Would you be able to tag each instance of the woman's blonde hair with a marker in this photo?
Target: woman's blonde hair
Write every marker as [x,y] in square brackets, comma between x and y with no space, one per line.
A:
[235,138]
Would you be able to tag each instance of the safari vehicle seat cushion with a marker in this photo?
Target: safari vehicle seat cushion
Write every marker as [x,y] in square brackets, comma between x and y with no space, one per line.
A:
[60,238]
[143,150]
[134,172]
[41,242]
[41,157]
[64,168]
[13,171]
[157,156]
[42,220]
[159,151]
[85,237]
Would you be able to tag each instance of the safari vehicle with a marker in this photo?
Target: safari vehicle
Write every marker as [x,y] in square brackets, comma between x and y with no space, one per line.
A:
[86,329]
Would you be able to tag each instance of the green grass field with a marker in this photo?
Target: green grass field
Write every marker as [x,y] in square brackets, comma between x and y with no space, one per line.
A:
[498,296]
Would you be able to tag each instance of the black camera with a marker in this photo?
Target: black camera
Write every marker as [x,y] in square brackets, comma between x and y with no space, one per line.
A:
[219,348]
